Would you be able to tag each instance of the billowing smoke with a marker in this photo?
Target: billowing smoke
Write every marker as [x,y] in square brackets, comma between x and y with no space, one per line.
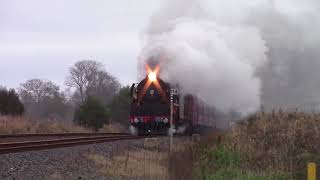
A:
[291,77]
[236,55]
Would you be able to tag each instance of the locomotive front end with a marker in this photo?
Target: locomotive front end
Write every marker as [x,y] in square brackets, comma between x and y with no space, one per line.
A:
[150,107]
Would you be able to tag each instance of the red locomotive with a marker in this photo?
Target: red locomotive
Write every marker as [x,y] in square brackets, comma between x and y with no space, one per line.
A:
[155,103]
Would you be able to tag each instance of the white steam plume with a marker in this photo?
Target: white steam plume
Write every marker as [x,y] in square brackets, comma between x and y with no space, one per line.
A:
[291,77]
[228,52]
[215,60]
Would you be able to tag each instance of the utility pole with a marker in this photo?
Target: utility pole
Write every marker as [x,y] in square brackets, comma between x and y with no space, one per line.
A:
[171,119]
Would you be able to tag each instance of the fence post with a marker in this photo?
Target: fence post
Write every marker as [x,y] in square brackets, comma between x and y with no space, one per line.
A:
[312,171]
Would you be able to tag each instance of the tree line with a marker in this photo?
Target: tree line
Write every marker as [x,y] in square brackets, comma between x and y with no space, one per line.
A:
[93,97]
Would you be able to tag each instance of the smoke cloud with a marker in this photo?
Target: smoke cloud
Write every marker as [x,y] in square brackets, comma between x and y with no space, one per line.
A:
[236,55]
[291,77]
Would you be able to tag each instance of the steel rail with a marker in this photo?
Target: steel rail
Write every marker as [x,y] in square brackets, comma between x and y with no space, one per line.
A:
[39,142]
[15,147]
[58,134]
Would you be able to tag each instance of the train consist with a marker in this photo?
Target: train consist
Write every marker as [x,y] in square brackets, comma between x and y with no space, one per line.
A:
[155,102]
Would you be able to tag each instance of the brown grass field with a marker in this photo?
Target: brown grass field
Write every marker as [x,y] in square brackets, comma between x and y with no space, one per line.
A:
[154,161]
[277,141]
[21,125]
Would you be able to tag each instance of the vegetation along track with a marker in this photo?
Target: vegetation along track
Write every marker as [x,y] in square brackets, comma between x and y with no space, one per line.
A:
[72,140]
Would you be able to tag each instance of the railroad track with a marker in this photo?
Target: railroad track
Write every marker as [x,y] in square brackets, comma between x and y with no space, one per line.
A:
[58,134]
[71,140]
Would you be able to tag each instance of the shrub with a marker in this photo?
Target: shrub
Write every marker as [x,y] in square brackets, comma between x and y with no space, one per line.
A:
[91,114]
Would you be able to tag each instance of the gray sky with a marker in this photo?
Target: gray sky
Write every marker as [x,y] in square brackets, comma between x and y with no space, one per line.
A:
[43,38]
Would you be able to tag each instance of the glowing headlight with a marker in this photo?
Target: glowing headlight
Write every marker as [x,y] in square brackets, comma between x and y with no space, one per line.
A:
[165,120]
[136,120]
[152,76]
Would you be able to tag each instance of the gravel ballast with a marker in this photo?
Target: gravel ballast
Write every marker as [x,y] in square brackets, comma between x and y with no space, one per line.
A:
[64,163]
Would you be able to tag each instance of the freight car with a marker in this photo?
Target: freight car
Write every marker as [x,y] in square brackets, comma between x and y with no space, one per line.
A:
[155,102]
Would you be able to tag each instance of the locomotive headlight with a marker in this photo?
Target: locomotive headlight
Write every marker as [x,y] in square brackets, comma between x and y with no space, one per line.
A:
[136,120]
[152,76]
[166,120]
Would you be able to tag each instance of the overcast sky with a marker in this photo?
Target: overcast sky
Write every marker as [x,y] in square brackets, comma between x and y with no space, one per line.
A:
[42,39]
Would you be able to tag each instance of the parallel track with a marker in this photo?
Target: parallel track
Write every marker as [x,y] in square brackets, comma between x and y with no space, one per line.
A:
[83,139]
[58,134]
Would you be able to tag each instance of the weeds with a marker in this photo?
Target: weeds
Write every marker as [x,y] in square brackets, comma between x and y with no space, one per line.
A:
[221,157]
[112,128]
[156,161]
[20,125]
[237,174]
[133,164]
[284,141]
[264,143]
[181,161]
[220,163]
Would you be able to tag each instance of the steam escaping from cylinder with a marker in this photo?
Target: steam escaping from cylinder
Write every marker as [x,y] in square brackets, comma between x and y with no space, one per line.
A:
[235,55]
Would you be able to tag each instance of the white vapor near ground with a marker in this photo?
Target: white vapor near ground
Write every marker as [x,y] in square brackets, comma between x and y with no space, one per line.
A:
[227,52]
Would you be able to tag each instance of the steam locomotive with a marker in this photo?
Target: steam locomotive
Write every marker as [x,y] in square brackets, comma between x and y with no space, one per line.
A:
[159,107]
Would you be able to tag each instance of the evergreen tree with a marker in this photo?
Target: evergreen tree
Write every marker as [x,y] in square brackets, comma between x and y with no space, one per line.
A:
[91,114]
[120,106]
[10,103]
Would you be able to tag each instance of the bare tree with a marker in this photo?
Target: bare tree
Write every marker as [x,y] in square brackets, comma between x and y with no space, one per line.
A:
[89,78]
[43,99]
[35,90]
[82,75]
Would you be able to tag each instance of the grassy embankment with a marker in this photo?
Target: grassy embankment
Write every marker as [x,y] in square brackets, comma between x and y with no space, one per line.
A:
[267,146]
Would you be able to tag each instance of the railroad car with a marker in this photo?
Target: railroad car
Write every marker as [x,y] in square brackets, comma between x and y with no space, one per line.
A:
[154,102]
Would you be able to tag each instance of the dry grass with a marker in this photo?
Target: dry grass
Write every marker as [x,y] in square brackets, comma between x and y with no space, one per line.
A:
[55,176]
[153,162]
[113,128]
[182,161]
[282,141]
[142,164]
[20,125]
